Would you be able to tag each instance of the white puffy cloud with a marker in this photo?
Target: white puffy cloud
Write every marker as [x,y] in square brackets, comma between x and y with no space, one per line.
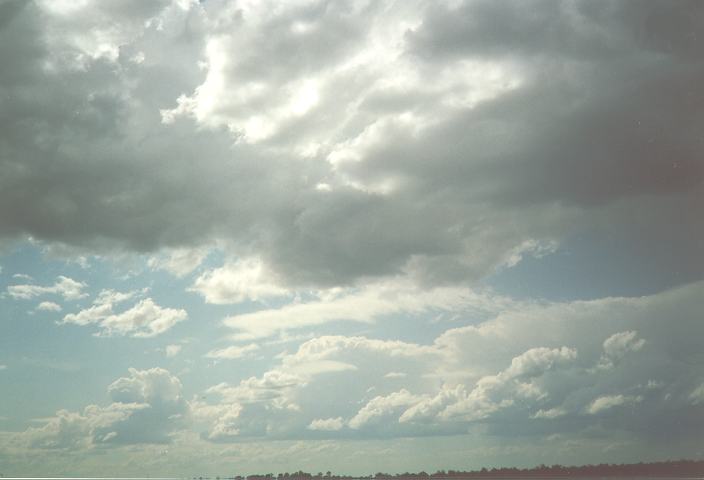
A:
[144,319]
[537,361]
[80,430]
[147,407]
[382,406]
[491,373]
[233,351]
[49,307]
[272,385]
[66,287]
[155,384]
[493,393]
[549,413]
[608,402]
[172,350]
[327,424]
[236,282]
[618,346]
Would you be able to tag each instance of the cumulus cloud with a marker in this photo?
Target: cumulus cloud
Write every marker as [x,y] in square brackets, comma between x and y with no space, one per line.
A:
[608,402]
[67,288]
[144,319]
[79,430]
[496,392]
[147,407]
[618,346]
[49,307]
[327,424]
[490,373]
[236,282]
[382,406]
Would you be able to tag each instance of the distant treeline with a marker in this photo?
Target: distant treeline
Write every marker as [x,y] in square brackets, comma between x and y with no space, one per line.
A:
[673,468]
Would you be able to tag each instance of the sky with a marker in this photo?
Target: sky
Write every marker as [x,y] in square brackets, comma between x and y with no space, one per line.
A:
[247,236]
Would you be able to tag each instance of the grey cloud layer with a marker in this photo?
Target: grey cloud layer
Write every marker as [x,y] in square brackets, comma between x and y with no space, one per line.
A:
[338,141]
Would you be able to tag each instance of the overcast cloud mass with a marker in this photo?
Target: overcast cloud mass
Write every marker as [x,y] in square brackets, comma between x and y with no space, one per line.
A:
[250,236]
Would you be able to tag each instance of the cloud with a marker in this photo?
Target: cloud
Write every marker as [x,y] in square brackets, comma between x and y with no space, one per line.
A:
[411,128]
[49,307]
[360,162]
[382,406]
[490,374]
[233,352]
[618,346]
[3,367]
[549,413]
[172,350]
[179,262]
[608,402]
[537,361]
[327,424]
[493,393]
[697,395]
[66,287]
[79,430]
[363,305]
[143,320]
[146,407]
[236,282]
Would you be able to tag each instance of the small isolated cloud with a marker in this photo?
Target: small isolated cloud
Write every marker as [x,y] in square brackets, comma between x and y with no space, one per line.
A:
[697,396]
[327,424]
[3,367]
[172,350]
[617,346]
[68,288]
[395,375]
[550,413]
[608,402]
[233,352]
[49,307]
[145,319]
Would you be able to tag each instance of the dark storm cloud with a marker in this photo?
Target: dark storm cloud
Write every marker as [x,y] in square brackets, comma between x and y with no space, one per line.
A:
[595,105]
